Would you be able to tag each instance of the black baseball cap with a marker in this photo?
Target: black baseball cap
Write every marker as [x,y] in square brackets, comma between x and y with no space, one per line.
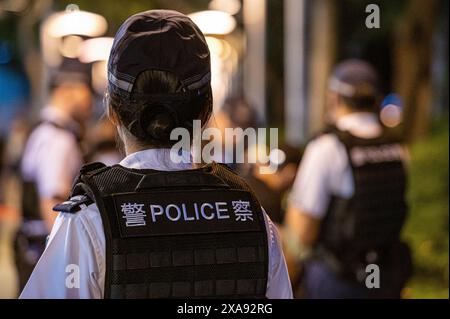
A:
[71,71]
[354,78]
[161,40]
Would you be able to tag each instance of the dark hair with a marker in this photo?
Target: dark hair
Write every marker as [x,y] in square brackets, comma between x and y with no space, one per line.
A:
[363,78]
[293,155]
[360,103]
[240,112]
[155,110]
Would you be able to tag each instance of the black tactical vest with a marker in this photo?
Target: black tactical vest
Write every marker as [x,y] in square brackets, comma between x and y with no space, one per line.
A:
[365,228]
[196,233]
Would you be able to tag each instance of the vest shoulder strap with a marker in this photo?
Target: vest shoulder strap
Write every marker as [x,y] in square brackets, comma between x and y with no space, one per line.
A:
[325,130]
[73,205]
[80,195]
[349,140]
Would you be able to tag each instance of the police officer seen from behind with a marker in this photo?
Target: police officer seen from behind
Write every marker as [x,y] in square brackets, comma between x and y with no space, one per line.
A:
[151,227]
[51,160]
[347,206]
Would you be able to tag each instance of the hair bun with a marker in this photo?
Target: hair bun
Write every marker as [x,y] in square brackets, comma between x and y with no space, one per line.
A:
[160,127]
[157,122]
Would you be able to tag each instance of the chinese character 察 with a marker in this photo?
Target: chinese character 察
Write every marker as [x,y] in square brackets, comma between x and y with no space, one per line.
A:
[242,210]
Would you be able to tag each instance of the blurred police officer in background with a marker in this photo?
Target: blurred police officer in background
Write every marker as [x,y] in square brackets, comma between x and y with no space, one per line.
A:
[51,160]
[151,227]
[8,226]
[235,113]
[102,146]
[347,206]
[272,189]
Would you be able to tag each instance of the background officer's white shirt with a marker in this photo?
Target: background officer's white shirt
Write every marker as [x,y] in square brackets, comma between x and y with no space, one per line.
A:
[79,239]
[325,170]
[52,156]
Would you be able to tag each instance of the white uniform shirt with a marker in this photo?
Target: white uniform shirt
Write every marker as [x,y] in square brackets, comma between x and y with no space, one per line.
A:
[79,239]
[52,156]
[325,170]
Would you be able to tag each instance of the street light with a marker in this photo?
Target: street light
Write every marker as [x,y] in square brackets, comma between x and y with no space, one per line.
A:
[70,46]
[75,22]
[230,6]
[214,22]
[96,49]
[62,33]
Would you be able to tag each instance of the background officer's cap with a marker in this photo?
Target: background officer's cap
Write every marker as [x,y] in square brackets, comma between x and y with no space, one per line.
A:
[354,78]
[71,71]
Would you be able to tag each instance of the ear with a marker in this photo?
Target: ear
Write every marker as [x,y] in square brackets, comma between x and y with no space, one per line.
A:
[335,99]
[330,102]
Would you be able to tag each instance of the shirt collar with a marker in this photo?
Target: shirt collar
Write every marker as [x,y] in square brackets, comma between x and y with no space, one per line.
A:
[360,124]
[158,159]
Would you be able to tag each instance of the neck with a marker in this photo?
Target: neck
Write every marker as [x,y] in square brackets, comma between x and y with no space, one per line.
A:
[58,101]
[343,111]
[132,145]
[131,148]
[128,143]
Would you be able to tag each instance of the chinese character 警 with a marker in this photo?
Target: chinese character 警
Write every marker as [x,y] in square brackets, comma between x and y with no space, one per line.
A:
[134,214]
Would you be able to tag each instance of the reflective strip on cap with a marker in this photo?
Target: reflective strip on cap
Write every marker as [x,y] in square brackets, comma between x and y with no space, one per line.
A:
[200,83]
[121,84]
[128,86]
[341,88]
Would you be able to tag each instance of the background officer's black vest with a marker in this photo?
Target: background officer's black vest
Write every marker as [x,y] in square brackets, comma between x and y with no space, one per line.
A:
[365,228]
[149,255]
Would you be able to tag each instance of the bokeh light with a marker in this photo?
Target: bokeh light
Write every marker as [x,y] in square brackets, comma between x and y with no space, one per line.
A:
[214,22]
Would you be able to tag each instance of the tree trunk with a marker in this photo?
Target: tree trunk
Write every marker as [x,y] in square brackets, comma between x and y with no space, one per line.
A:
[413,45]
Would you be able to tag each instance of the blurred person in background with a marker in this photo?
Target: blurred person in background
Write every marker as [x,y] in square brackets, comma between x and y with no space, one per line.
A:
[347,206]
[52,159]
[8,225]
[271,189]
[103,143]
[13,151]
[239,113]
[235,113]
[15,144]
